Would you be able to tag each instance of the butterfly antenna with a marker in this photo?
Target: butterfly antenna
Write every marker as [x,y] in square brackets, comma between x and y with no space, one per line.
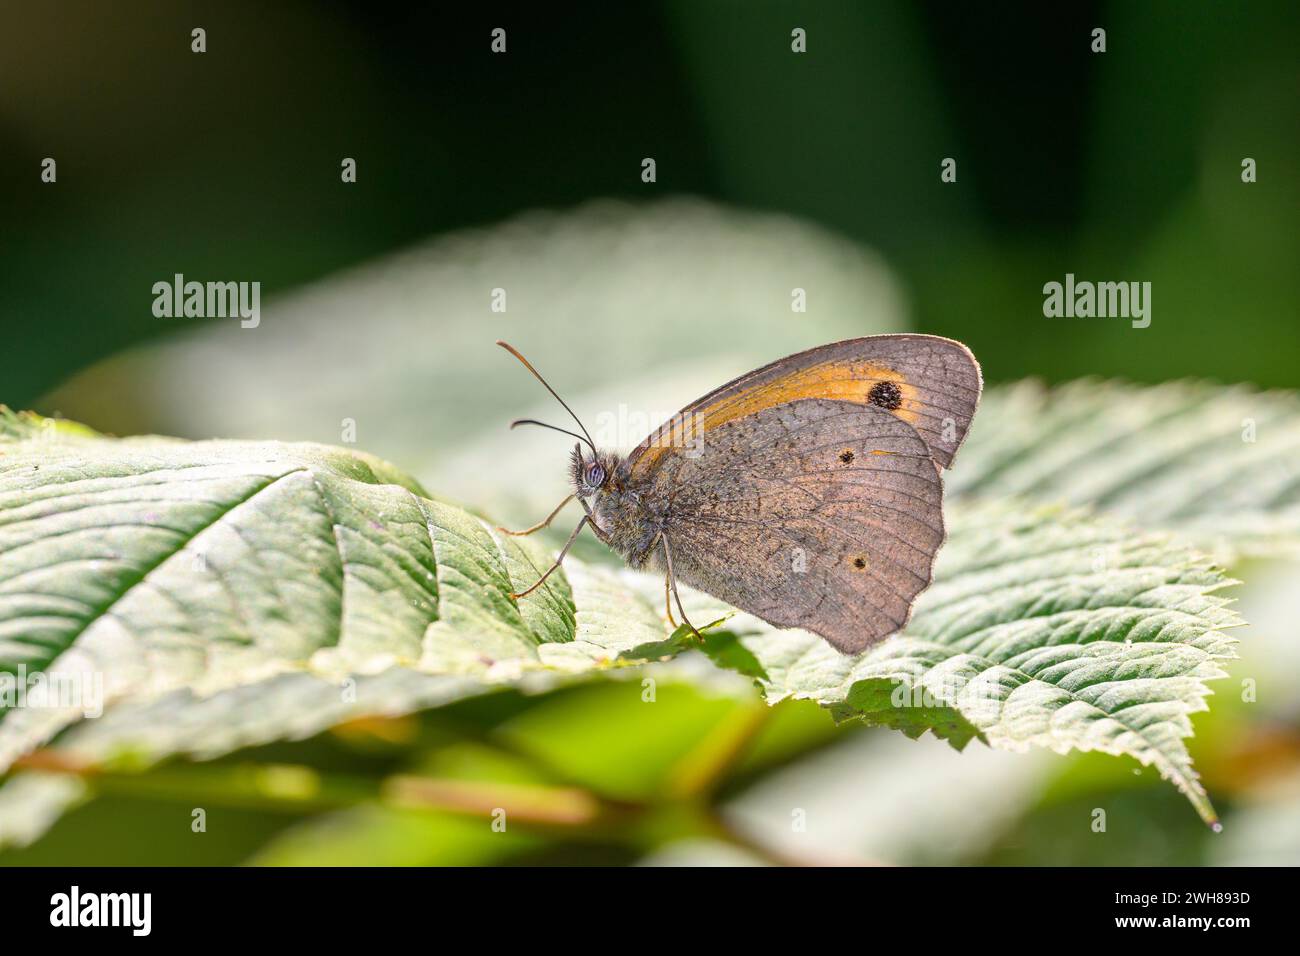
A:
[537,375]
[554,428]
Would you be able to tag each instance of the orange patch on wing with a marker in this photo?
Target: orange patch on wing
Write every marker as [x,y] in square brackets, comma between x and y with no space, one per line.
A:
[844,382]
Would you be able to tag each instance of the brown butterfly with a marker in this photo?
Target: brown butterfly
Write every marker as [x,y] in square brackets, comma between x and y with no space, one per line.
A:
[807,492]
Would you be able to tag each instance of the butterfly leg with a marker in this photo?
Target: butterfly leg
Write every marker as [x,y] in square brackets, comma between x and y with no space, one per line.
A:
[558,561]
[541,525]
[668,603]
[591,522]
[671,581]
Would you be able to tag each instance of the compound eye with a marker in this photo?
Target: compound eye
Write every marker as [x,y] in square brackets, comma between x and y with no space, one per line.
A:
[595,475]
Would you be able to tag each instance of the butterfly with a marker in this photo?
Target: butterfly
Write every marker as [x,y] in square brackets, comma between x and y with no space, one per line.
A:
[807,492]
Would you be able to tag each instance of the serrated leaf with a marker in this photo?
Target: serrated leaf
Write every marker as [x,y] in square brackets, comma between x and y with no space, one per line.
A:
[330,586]
[157,566]
[886,702]
[1220,465]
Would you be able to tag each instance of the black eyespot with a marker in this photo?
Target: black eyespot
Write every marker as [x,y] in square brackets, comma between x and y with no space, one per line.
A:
[846,455]
[859,563]
[886,395]
[595,475]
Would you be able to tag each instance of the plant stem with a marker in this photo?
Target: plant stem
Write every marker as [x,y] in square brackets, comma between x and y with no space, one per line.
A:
[706,767]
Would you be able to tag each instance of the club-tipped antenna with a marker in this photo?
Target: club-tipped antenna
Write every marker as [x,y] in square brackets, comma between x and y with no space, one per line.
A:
[554,428]
[537,375]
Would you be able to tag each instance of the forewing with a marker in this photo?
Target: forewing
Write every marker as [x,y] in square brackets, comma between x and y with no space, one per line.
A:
[818,514]
[931,383]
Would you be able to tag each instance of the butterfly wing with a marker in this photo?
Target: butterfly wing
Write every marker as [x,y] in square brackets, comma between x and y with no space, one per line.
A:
[813,513]
[931,383]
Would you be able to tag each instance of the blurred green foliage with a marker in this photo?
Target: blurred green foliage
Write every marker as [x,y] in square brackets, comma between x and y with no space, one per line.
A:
[1123,165]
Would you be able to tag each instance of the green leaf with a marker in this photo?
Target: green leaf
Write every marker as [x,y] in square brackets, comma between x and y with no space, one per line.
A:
[370,835]
[879,702]
[148,567]
[232,593]
[1220,465]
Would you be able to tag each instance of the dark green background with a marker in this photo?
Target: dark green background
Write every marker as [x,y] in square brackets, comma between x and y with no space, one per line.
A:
[1121,166]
